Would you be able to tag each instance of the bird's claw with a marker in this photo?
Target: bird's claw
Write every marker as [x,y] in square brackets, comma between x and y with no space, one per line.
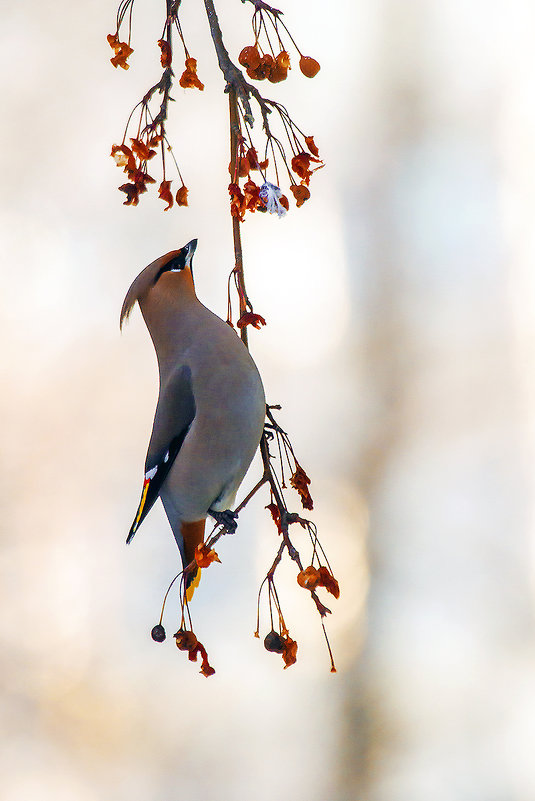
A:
[226,518]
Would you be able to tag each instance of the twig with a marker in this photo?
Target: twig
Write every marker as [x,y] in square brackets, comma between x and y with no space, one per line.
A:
[234,76]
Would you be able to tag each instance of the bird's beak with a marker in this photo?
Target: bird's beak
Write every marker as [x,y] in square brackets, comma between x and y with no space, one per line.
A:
[190,250]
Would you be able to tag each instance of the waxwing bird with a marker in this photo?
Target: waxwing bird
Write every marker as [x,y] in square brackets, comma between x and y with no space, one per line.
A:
[211,406]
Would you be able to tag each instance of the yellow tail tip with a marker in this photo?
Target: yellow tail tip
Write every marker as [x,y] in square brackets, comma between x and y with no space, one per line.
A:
[193,584]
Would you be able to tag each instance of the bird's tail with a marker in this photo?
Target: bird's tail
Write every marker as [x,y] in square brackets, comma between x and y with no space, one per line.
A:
[193,535]
[192,582]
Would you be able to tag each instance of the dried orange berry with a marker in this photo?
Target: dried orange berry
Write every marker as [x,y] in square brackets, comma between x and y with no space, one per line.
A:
[309,66]
[182,196]
[267,63]
[300,193]
[277,73]
[309,578]
[185,640]
[263,70]
[250,57]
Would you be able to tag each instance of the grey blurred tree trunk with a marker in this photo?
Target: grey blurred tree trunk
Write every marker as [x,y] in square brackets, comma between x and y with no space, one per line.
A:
[442,460]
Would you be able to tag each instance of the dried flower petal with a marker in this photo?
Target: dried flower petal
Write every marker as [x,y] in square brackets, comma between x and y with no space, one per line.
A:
[155,139]
[312,577]
[204,556]
[301,166]
[142,151]
[206,668]
[309,66]
[132,194]
[283,59]
[113,41]
[252,158]
[243,167]
[300,481]
[166,56]
[290,652]
[276,515]
[311,145]
[189,79]
[123,156]
[140,178]
[249,318]
[251,194]
[329,582]
[122,51]
[164,192]
[237,201]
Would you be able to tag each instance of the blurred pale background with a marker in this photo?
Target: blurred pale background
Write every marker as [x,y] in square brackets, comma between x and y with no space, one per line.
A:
[400,342]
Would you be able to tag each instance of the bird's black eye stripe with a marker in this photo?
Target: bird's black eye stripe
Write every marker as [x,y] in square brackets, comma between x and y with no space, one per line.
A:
[176,264]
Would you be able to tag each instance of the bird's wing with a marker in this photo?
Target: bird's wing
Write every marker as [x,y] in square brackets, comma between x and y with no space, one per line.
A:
[174,415]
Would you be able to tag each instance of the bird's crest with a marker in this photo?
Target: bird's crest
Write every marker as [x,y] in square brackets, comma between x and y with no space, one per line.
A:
[141,285]
[174,261]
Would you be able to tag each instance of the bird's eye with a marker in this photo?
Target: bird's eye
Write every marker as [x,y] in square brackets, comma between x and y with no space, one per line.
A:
[175,265]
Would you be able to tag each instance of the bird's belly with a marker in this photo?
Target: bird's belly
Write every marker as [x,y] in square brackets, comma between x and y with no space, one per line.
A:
[213,460]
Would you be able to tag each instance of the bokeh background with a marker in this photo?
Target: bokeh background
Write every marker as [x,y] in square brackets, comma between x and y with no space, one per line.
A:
[400,343]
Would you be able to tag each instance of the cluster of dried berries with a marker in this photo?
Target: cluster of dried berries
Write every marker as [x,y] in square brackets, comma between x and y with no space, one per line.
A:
[292,152]
[282,644]
[151,131]
[187,641]
[298,477]
[204,556]
[189,78]
[269,61]
[247,316]
[122,50]
[267,196]
[185,638]
[252,197]
[250,318]
[133,161]
[277,642]
[312,577]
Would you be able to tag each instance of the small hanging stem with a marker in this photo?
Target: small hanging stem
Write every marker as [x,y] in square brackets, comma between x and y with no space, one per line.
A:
[236,233]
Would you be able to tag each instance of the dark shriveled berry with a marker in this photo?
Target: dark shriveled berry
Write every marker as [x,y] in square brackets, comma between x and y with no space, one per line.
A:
[158,633]
[274,642]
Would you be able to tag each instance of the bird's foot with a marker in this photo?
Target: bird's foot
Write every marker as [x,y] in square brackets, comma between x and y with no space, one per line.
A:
[227,518]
